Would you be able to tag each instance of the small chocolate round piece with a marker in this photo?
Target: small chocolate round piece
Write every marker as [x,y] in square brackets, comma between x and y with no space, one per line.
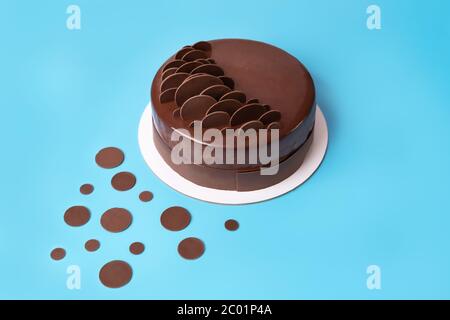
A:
[58,254]
[115,274]
[191,248]
[116,220]
[86,189]
[92,245]
[146,196]
[175,218]
[109,157]
[231,225]
[77,216]
[137,248]
[123,181]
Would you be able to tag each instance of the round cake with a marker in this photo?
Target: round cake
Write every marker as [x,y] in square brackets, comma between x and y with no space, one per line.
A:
[213,90]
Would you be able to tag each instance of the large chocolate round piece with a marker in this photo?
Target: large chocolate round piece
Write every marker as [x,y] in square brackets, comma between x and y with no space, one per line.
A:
[175,218]
[191,248]
[115,274]
[109,157]
[116,220]
[123,181]
[77,216]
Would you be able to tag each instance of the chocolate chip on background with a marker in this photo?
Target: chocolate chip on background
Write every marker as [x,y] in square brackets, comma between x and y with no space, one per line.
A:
[116,220]
[191,248]
[77,216]
[175,218]
[145,196]
[92,245]
[110,157]
[137,248]
[58,254]
[86,189]
[231,225]
[115,274]
[123,181]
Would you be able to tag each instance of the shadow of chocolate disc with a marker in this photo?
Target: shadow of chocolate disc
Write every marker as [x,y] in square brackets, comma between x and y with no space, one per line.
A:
[109,157]
[191,248]
[231,225]
[92,245]
[116,220]
[123,181]
[175,218]
[115,274]
[137,248]
[77,216]
[58,254]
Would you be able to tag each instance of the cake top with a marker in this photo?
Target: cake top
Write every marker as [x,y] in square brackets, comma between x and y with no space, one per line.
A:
[233,83]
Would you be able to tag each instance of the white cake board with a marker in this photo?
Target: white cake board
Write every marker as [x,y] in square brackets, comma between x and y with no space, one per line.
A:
[164,172]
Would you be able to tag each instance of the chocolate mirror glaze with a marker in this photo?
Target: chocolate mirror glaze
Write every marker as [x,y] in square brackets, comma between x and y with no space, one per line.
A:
[234,83]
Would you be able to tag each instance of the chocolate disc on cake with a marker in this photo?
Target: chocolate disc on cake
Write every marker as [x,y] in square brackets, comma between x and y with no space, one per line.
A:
[240,88]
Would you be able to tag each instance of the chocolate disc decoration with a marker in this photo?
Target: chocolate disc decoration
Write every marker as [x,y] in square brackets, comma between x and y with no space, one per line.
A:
[194,55]
[168,95]
[202,45]
[58,254]
[109,157]
[86,189]
[115,274]
[195,108]
[182,52]
[194,86]
[191,248]
[227,81]
[218,119]
[254,124]
[270,116]
[236,95]
[173,81]
[137,248]
[168,72]
[77,216]
[231,225]
[175,218]
[247,113]
[123,181]
[252,101]
[145,196]
[92,245]
[173,64]
[216,91]
[189,66]
[116,220]
[211,69]
[229,106]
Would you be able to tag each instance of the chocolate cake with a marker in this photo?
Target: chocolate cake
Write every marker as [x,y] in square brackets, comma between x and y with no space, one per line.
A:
[234,86]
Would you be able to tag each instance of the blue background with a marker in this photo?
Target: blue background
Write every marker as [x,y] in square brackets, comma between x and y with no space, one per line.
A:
[380,197]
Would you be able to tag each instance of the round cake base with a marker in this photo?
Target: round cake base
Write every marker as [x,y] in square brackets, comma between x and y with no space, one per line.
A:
[164,172]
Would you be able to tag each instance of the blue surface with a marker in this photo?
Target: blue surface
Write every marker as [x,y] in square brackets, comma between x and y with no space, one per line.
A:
[380,197]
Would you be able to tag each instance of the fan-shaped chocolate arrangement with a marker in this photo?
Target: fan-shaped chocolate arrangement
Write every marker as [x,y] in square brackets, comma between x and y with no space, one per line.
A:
[202,92]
